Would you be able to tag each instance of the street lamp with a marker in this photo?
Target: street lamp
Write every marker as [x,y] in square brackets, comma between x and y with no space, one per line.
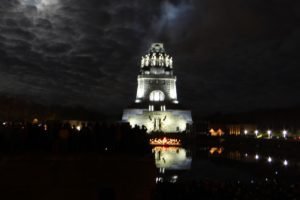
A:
[269,159]
[269,133]
[246,132]
[284,133]
[256,132]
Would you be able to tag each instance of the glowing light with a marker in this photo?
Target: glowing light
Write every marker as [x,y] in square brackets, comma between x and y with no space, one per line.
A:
[285,163]
[246,132]
[219,132]
[78,128]
[284,133]
[4,123]
[256,157]
[35,121]
[256,132]
[216,150]
[269,159]
[165,141]
[269,133]
[174,179]
[157,95]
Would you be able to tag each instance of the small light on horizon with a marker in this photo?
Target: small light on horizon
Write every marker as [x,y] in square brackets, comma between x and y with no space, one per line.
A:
[78,128]
[284,133]
[269,159]
[269,133]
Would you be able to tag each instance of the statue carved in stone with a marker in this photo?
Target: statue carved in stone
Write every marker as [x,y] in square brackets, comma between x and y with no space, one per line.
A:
[161,60]
[143,62]
[147,60]
[153,60]
[167,61]
[171,62]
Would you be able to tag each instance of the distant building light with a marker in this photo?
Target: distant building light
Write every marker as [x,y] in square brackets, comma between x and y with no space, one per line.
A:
[78,127]
[35,121]
[284,133]
[246,132]
[269,159]
[256,157]
[285,163]
[269,133]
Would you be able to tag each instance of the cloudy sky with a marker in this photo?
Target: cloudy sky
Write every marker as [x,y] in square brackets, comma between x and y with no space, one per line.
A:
[231,55]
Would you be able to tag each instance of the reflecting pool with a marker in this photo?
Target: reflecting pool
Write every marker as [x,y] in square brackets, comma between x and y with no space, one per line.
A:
[178,163]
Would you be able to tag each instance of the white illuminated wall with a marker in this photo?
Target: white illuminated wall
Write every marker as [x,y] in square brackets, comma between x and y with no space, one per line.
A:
[147,84]
[170,121]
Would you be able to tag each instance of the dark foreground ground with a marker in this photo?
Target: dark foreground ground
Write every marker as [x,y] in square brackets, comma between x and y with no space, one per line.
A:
[76,177]
[115,162]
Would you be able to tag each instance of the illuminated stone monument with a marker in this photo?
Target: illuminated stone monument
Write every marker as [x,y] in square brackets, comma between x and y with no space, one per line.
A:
[156,105]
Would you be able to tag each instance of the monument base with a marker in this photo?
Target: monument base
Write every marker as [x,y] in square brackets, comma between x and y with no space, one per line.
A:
[169,121]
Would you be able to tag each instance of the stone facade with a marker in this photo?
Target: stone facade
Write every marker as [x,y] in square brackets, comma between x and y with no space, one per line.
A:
[156,104]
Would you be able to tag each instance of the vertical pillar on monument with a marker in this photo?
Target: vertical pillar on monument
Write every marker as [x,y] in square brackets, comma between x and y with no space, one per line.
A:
[156,105]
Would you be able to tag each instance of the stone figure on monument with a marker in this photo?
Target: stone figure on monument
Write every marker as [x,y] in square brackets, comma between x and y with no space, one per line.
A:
[147,60]
[153,60]
[154,128]
[143,62]
[171,62]
[167,61]
[161,60]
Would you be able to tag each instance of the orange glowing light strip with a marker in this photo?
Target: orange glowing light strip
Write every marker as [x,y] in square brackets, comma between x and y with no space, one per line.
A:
[165,141]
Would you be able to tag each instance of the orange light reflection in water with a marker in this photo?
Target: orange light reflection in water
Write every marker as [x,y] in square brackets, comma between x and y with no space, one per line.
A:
[165,141]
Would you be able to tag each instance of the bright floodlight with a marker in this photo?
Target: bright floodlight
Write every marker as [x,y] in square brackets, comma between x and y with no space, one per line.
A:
[78,128]
[284,133]
[269,133]
[285,163]
[269,159]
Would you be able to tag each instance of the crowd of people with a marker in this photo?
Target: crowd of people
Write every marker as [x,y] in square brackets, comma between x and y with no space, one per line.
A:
[59,137]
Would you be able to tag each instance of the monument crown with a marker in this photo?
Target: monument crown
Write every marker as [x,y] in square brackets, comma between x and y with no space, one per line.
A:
[157,48]
[157,57]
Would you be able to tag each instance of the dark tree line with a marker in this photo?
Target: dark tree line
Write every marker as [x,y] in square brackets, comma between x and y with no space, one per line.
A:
[57,137]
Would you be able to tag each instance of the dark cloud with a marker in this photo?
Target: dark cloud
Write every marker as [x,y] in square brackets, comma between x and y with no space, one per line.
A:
[229,55]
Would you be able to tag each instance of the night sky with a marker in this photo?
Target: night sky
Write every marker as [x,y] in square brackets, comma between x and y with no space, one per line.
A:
[233,55]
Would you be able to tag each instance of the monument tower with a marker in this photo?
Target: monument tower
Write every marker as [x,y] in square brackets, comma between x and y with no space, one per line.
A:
[156,105]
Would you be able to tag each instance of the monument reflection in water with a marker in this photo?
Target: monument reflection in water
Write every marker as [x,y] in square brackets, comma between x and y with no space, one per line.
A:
[171,160]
